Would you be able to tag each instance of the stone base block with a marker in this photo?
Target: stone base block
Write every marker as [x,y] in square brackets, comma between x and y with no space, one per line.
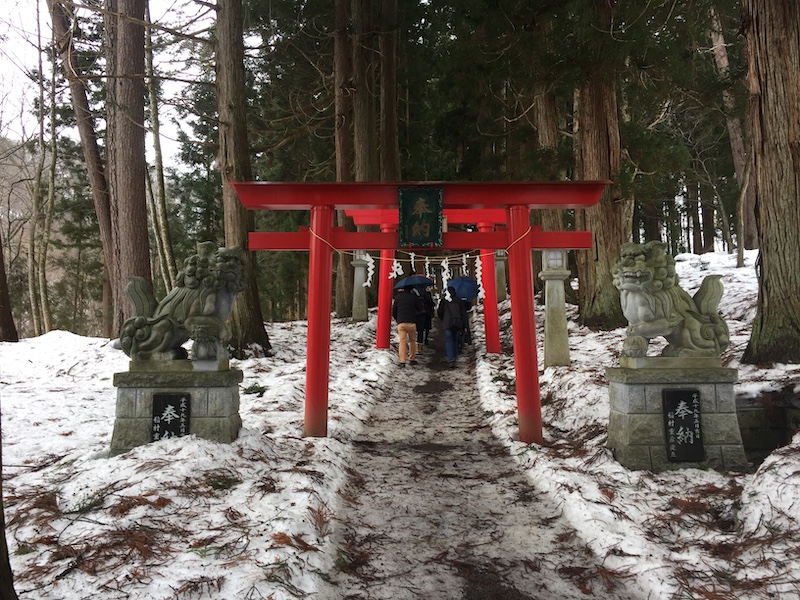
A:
[636,427]
[212,405]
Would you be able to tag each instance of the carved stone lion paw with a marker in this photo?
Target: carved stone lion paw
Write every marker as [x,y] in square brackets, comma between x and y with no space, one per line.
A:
[635,346]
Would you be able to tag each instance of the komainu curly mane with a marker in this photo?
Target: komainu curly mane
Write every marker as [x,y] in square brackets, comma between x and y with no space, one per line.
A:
[196,308]
[655,305]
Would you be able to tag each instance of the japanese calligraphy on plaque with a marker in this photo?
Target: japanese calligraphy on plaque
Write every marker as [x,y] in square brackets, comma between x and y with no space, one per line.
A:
[682,431]
[171,414]
[420,222]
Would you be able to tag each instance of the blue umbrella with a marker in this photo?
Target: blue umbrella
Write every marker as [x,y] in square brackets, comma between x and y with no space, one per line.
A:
[413,281]
[466,287]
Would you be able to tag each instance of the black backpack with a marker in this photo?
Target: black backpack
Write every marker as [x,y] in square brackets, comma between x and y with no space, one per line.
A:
[455,315]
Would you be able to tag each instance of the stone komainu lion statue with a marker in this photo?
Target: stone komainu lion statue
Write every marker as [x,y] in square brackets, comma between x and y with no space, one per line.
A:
[655,305]
[196,308]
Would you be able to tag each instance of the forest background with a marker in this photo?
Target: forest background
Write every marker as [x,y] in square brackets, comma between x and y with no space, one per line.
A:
[660,98]
[690,107]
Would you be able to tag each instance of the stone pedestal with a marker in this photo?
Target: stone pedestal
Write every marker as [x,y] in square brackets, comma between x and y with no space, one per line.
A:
[360,309]
[636,428]
[208,392]
[556,338]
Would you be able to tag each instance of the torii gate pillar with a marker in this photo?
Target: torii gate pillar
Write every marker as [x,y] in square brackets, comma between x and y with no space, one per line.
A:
[524,327]
[491,318]
[384,327]
[318,342]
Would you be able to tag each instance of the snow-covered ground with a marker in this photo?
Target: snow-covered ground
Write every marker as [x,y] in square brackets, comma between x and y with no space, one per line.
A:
[256,519]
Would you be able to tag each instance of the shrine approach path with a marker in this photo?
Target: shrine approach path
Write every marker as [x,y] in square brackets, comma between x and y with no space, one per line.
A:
[435,508]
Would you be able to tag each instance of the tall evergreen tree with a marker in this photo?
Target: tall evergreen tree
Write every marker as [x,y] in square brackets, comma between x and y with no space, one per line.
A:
[234,165]
[772,29]
[125,148]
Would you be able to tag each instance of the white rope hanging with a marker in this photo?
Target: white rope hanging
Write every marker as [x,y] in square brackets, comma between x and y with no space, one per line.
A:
[397,269]
[370,269]
[479,276]
[446,276]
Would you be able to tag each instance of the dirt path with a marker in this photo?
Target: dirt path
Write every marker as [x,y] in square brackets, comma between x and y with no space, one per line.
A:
[437,509]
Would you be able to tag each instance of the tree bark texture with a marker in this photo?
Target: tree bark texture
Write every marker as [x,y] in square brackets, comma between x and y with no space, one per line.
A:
[163,237]
[693,210]
[708,212]
[652,219]
[545,116]
[389,144]
[32,265]
[598,157]
[8,330]
[772,32]
[36,192]
[44,242]
[343,110]
[746,211]
[547,137]
[365,64]
[247,321]
[341,79]
[125,159]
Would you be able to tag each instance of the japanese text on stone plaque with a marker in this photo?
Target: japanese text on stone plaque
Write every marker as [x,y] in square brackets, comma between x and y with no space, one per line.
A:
[682,429]
[171,416]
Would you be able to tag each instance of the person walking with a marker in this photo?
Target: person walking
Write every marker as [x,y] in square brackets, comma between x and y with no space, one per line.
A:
[453,315]
[405,308]
[425,318]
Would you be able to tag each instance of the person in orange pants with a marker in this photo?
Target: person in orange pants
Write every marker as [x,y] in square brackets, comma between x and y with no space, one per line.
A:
[405,308]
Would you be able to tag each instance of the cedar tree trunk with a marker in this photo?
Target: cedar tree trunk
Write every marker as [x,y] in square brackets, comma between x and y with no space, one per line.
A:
[772,31]
[247,322]
[126,149]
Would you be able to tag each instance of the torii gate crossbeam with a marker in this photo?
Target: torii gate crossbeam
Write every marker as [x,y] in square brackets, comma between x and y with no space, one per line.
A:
[516,198]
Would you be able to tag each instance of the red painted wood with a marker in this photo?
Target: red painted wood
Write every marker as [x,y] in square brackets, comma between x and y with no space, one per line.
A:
[383,333]
[383,195]
[320,273]
[458,216]
[526,363]
[388,240]
[491,318]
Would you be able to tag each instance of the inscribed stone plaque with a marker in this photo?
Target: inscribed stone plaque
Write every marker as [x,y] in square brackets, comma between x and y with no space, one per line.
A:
[171,413]
[682,430]
[420,219]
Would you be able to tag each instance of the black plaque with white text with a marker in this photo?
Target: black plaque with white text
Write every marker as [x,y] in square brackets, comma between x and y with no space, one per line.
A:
[171,414]
[682,430]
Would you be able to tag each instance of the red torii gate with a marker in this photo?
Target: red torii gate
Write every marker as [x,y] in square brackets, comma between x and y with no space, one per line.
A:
[321,238]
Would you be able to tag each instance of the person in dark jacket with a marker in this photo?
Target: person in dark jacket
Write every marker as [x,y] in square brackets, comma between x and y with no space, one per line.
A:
[425,318]
[405,308]
[453,315]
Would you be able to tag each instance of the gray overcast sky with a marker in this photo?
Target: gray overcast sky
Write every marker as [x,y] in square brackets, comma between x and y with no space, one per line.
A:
[18,34]
[18,55]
